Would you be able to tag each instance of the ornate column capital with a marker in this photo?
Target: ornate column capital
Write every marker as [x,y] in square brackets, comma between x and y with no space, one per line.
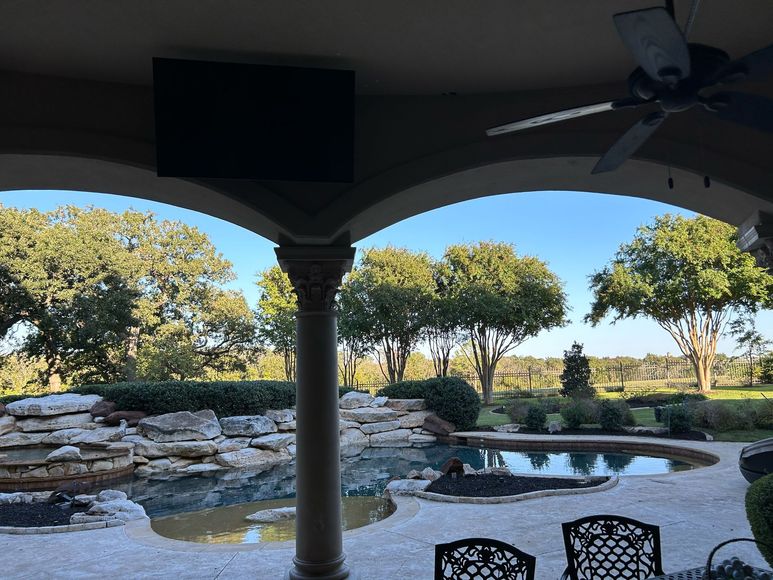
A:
[315,272]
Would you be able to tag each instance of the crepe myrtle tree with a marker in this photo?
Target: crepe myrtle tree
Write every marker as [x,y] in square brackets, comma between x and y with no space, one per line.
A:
[353,332]
[687,275]
[502,300]
[442,331]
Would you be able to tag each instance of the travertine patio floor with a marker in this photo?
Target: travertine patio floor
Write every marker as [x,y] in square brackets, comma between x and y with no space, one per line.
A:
[695,510]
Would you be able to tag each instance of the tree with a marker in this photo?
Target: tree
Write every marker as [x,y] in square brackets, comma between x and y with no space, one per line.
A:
[442,321]
[749,340]
[687,275]
[502,300]
[353,333]
[575,377]
[276,315]
[393,286]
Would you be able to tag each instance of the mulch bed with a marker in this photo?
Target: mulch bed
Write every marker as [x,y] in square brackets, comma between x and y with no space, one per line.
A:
[691,436]
[30,515]
[492,485]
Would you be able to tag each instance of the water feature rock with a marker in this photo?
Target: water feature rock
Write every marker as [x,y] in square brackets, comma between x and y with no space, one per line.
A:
[430,474]
[103,408]
[396,438]
[407,404]
[152,449]
[353,437]
[247,425]
[7,424]
[469,469]
[53,423]
[419,438]
[508,428]
[127,509]
[154,466]
[110,495]
[292,450]
[102,465]
[554,427]
[413,474]
[66,453]
[180,426]
[139,459]
[436,425]
[414,419]
[202,468]
[344,424]
[228,445]
[354,400]
[274,441]
[406,486]
[369,414]
[83,518]
[288,426]
[369,428]
[17,439]
[132,418]
[378,402]
[283,416]
[52,405]
[272,515]
[252,458]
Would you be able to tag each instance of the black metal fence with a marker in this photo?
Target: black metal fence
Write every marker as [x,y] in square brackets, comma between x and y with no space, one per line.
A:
[673,374]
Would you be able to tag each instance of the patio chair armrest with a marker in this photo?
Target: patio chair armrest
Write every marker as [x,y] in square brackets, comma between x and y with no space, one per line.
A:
[565,575]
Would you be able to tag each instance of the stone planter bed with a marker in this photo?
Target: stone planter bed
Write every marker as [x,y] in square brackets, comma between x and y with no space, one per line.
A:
[37,514]
[494,485]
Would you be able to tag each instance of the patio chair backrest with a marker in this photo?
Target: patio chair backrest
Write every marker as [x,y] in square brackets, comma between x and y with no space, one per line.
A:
[604,547]
[482,559]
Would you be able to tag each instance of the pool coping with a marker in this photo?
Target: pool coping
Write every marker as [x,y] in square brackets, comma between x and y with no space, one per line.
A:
[21,531]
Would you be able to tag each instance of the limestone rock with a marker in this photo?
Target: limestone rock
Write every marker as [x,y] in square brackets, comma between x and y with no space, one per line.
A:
[508,428]
[369,414]
[53,423]
[406,486]
[228,445]
[554,427]
[7,424]
[102,465]
[66,453]
[469,469]
[139,459]
[407,404]
[154,466]
[15,439]
[419,438]
[343,424]
[430,474]
[83,499]
[52,405]
[272,515]
[247,425]
[283,416]
[378,402]
[353,437]
[369,428]
[355,399]
[413,474]
[292,450]
[82,518]
[103,408]
[640,430]
[396,438]
[110,495]
[414,419]
[436,425]
[151,449]
[128,508]
[253,458]
[202,468]
[132,418]
[288,426]
[180,426]
[273,441]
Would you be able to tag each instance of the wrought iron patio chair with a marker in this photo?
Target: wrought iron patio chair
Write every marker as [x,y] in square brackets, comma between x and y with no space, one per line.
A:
[482,559]
[608,547]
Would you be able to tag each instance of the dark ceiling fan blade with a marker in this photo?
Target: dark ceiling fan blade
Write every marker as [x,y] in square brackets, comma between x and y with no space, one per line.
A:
[754,111]
[754,66]
[656,43]
[563,116]
[629,142]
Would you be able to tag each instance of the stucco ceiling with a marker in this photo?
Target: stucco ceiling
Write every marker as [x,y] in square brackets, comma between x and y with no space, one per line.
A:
[396,46]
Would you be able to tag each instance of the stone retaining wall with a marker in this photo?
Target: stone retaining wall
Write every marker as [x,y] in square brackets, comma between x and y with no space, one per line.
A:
[192,443]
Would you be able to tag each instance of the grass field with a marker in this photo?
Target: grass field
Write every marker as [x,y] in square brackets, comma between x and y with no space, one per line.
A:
[646,416]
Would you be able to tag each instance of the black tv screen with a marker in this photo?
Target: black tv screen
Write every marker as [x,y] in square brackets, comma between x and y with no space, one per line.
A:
[248,121]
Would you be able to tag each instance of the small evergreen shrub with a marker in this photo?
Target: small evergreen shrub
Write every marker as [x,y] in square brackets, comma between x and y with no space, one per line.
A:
[580,411]
[225,398]
[766,369]
[759,512]
[575,379]
[614,415]
[521,394]
[721,416]
[536,417]
[451,398]
[518,409]
[551,404]
[677,417]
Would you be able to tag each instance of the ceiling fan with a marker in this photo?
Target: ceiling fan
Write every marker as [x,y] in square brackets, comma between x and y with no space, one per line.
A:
[675,75]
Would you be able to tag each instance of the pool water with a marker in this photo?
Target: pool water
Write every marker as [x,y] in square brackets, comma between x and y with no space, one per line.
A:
[366,475]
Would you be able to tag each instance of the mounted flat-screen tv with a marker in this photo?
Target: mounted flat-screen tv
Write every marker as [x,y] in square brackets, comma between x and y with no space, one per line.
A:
[249,121]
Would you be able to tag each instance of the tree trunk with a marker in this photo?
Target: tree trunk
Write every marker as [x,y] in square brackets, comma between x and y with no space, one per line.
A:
[702,373]
[132,344]
[53,370]
[289,359]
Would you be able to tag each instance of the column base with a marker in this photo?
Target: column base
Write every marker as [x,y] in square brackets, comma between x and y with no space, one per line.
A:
[335,570]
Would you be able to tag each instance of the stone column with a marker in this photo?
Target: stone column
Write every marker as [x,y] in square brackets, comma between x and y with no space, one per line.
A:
[316,273]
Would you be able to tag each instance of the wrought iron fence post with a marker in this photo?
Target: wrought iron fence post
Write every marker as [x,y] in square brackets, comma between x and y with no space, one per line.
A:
[529,369]
[622,379]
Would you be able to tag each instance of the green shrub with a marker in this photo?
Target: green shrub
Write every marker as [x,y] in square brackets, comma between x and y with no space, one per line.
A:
[536,417]
[721,416]
[225,398]
[759,512]
[614,389]
[451,398]
[677,418]
[647,400]
[518,409]
[614,415]
[575,378]
[678,398]
[766,369]
[580,411]
[11,398]
[551,404]
[521,394]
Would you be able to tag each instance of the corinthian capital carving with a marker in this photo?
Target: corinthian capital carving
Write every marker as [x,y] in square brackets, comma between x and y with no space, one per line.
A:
[316,273]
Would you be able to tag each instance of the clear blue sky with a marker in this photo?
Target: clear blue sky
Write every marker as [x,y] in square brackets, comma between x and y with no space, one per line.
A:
[575,233]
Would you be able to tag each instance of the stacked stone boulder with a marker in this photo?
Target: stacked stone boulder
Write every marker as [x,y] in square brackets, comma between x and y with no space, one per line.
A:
[61,421]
